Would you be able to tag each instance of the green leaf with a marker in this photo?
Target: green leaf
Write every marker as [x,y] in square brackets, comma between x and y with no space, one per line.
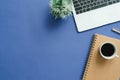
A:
[61,8]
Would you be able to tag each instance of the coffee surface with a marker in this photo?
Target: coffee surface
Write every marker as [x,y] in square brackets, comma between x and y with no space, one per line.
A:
[107,49]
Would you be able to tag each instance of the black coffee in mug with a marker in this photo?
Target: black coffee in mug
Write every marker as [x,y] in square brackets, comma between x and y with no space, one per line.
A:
[107,49]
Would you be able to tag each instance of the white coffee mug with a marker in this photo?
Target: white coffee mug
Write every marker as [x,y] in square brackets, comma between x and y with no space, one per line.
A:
[108,50]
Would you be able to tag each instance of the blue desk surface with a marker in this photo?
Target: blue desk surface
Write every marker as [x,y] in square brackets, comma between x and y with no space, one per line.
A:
[34,46]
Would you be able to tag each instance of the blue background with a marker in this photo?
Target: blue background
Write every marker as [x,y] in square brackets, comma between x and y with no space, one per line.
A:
[34,46]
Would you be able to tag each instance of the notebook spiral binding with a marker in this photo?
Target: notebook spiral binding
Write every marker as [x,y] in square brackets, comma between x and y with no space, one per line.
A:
[89,58]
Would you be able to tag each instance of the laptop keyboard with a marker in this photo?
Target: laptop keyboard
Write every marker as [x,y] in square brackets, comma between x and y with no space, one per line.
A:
[82,6]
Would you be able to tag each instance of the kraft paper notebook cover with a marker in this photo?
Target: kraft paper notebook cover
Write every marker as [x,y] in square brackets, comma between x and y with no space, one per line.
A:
[98,68]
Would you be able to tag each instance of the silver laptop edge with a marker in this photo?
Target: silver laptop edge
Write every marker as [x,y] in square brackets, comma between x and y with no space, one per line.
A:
[98,17]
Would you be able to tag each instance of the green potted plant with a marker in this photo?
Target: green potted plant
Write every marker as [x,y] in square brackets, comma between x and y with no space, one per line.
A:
[61,8]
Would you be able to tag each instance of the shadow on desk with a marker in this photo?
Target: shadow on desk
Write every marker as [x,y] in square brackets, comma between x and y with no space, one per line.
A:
[51,23]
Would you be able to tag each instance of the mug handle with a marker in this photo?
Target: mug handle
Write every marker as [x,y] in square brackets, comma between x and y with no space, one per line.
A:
[117,55]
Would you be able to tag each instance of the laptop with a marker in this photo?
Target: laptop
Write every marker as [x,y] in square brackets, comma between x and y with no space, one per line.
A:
[89,14]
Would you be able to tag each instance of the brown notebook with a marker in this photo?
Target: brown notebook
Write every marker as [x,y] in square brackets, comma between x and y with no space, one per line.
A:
[97,67]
